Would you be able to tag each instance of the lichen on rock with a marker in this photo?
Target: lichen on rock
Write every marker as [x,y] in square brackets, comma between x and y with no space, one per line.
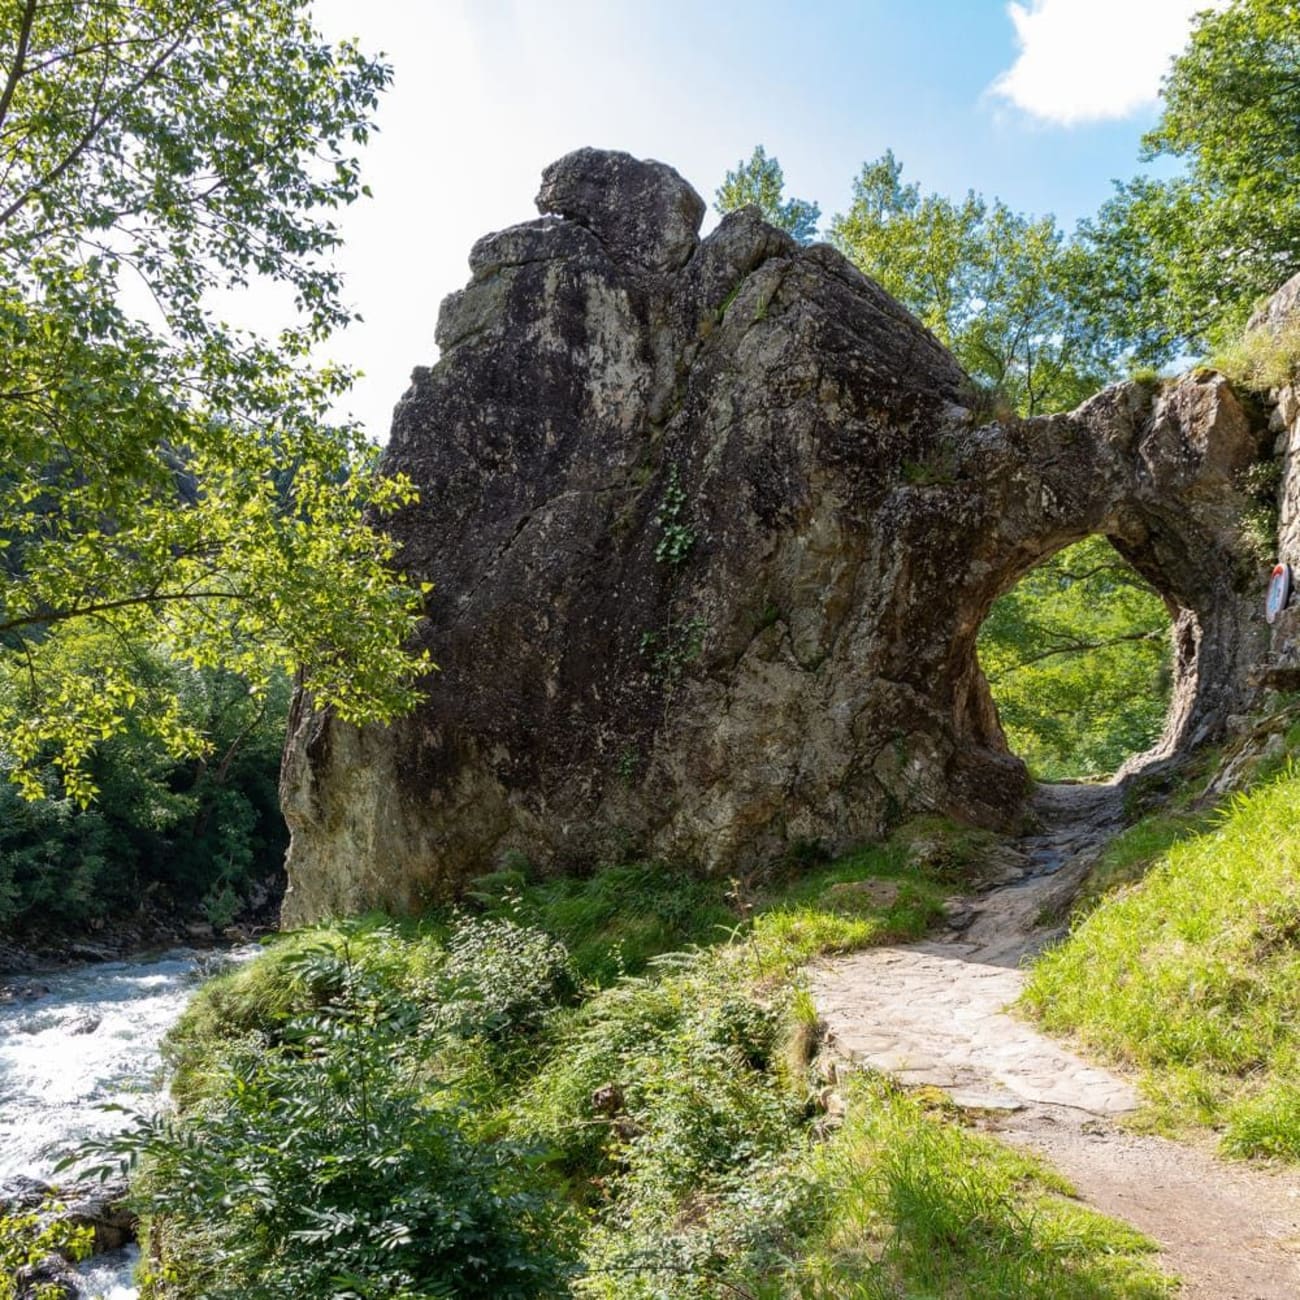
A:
[713,526]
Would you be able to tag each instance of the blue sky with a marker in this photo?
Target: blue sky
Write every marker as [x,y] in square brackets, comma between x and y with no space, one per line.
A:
[1040,102]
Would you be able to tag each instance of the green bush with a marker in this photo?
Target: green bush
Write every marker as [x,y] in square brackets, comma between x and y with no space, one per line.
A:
[615,921]
[497,979]
[340,1168]
[32,1237]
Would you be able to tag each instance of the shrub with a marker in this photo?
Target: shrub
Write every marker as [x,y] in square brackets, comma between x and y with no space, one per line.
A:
[497,979]
[30,1238]
[339,1169]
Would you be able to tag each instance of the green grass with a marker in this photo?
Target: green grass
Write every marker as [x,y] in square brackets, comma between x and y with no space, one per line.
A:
[1132,853]
[1262,359]
[667,1083]
[899,1201]
[616,921]
[924,1207]
[1192,975]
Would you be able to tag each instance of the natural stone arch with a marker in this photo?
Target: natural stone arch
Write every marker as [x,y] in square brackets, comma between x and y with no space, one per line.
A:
[713,527]
[1153,469]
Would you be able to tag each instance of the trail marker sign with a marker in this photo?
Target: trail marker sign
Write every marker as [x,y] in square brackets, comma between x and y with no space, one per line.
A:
[1279,592]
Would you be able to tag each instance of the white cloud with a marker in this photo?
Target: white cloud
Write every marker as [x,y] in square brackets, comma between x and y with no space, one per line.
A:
[1093,60]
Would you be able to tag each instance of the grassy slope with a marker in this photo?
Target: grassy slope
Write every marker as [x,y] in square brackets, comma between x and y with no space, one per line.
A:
[1192,974]
[675,1100]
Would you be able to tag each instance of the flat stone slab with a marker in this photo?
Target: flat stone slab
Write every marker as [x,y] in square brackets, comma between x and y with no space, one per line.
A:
[934,1016]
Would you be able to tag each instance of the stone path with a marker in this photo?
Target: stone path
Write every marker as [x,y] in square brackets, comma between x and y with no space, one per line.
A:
[932,1014]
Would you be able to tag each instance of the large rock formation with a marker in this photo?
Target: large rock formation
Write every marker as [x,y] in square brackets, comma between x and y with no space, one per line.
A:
[713,526]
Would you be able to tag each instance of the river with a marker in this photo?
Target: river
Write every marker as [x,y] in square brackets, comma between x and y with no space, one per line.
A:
[75,1040]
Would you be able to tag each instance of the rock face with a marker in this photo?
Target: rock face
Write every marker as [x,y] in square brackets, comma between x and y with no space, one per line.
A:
[1280,316]
[713,527]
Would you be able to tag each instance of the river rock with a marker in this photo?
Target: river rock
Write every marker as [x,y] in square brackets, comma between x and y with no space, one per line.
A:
[713,525]
[93,952]
[53,1278]
[20,1194]
[103,1208]
[13,961]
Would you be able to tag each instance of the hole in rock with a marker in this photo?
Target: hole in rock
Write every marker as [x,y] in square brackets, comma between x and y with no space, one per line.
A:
[1078,658]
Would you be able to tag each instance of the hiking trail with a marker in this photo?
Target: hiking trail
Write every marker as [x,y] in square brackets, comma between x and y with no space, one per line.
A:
[933,1014]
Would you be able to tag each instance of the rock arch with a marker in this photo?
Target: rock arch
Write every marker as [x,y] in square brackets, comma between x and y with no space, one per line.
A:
[714,525]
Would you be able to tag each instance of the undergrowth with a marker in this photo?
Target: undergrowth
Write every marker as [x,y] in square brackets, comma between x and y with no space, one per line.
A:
[28,1239]
[602,1089]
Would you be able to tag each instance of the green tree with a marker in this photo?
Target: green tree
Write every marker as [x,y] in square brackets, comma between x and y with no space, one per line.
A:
[199,832]
[1077,655]
[166,478]
[1178,263]
[993,285]
[760,182]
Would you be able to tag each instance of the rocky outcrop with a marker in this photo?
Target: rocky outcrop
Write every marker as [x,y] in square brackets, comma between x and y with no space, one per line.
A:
[101,1207]
[1280,317]
[713,527]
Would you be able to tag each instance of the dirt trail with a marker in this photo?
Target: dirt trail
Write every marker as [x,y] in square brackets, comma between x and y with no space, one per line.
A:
[931,1014]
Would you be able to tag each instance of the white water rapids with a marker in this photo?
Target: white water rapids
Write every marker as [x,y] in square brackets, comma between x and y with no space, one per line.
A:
[72,1041]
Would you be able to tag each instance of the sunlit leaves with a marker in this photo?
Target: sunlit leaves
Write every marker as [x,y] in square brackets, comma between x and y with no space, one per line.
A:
[1078,658]
[760,181]
[993,285]
[1179,262]
[165,478]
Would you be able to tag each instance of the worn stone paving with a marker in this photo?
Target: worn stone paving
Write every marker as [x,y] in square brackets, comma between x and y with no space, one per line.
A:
[932,1017]
[933,1014]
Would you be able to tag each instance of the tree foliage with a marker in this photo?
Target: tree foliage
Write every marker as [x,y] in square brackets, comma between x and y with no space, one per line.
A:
[995,286]
[1077,656]
[199,832]
[759,181]
[1178,263]
[165,478]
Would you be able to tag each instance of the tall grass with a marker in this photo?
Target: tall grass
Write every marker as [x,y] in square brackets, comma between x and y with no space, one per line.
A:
[1261,359]
[923,1207]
